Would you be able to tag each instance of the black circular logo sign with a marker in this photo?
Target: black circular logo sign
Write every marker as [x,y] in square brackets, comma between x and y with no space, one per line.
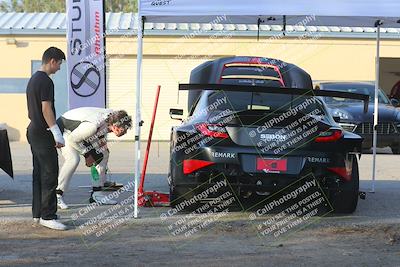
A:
[85,79]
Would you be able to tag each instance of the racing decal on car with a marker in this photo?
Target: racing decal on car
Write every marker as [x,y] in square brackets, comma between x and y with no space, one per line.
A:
[272,137]
[318,160]
[226,155]
[272,165]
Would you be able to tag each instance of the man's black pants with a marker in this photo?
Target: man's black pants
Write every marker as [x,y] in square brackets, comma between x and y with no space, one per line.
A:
[45,175]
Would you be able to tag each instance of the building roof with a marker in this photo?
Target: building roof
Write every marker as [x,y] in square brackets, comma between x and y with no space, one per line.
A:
[126,23]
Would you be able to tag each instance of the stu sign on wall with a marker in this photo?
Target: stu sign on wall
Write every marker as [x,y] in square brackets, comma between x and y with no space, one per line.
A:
[86,53]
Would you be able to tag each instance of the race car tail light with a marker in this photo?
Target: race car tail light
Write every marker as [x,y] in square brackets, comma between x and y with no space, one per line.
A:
[343,172]
[329,136]
[191,165]
[213,130]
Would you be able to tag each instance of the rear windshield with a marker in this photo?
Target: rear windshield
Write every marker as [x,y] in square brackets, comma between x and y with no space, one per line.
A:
[263,102]
[251,75]
[366,89]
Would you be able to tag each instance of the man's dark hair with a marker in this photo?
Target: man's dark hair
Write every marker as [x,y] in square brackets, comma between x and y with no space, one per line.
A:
[119,118]
[52,52]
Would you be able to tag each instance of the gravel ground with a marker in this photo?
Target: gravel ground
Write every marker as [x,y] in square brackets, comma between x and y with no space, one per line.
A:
[106,236]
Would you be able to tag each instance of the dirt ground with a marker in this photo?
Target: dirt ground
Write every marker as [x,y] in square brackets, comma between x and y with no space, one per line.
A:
[369,237]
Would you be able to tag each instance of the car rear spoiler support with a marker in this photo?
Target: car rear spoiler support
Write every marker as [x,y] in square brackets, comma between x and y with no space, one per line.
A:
[275,90]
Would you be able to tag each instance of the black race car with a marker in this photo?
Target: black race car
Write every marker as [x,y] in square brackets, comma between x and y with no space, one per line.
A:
[351,116]
[246,125]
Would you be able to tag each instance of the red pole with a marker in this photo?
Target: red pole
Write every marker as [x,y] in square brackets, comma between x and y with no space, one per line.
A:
[146,157]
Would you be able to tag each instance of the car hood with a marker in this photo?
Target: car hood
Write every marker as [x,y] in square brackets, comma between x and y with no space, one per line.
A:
[356,110]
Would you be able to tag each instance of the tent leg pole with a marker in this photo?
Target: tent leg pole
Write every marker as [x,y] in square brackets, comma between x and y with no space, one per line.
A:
[374,142]
[138,115]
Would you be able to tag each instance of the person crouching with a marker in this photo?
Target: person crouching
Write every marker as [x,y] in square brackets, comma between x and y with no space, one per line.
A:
[84,130]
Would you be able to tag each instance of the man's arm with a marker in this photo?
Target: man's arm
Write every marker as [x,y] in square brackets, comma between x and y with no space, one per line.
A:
[48,113]
[50,119]
[84,133]
[85,140]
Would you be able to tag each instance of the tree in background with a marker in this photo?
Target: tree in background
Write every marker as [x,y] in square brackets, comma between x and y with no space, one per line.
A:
[33,6]
[59,6]
[121,5]
[10,6]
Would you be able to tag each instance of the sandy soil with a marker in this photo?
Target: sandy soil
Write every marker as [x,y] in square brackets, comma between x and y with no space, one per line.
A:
[369,237]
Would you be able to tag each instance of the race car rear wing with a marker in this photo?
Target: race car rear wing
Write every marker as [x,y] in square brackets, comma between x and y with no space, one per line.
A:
[275,90]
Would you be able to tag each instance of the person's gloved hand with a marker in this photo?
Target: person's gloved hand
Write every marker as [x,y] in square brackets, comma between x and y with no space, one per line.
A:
[57,135]
[89,161]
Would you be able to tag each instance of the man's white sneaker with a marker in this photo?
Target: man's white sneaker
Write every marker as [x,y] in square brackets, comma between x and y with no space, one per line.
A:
[37,220]
[53,224]
[102,199]
[60,202]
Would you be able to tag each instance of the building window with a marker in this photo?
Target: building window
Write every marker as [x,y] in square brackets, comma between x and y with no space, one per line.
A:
[13,85]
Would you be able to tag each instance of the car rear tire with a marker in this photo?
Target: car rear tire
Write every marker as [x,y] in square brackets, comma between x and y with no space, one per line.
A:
[173,193]
[346,199]
[178,194]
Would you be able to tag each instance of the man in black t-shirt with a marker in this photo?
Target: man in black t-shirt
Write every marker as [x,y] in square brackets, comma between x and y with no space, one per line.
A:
[44,137]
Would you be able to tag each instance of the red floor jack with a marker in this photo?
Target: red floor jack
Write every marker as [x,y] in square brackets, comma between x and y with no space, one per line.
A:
[151,198]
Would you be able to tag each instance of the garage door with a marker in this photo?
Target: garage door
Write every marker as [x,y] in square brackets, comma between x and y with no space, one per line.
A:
[167,72]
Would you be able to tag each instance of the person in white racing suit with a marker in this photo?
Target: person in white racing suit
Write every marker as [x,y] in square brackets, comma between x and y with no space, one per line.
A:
[84,131]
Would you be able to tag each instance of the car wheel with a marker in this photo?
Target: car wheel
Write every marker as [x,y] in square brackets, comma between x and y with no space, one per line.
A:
[178,194]
[346,199]
[395,150]
[173,194]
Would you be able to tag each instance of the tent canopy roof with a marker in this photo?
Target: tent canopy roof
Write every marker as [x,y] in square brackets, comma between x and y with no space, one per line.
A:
[363,13]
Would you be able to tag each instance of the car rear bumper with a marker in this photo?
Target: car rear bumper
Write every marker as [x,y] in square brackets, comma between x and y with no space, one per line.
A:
[240,168]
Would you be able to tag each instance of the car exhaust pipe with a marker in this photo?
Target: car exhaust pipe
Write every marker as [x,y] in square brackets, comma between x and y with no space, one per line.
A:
[259,183]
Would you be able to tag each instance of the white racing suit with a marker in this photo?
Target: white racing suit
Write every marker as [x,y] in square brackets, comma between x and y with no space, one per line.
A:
[84,134]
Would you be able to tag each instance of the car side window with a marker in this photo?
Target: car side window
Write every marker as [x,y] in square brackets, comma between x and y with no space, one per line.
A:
[195,105]
[200,104]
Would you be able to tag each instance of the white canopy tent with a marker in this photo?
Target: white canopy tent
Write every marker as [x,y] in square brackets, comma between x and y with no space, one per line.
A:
[356,13]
